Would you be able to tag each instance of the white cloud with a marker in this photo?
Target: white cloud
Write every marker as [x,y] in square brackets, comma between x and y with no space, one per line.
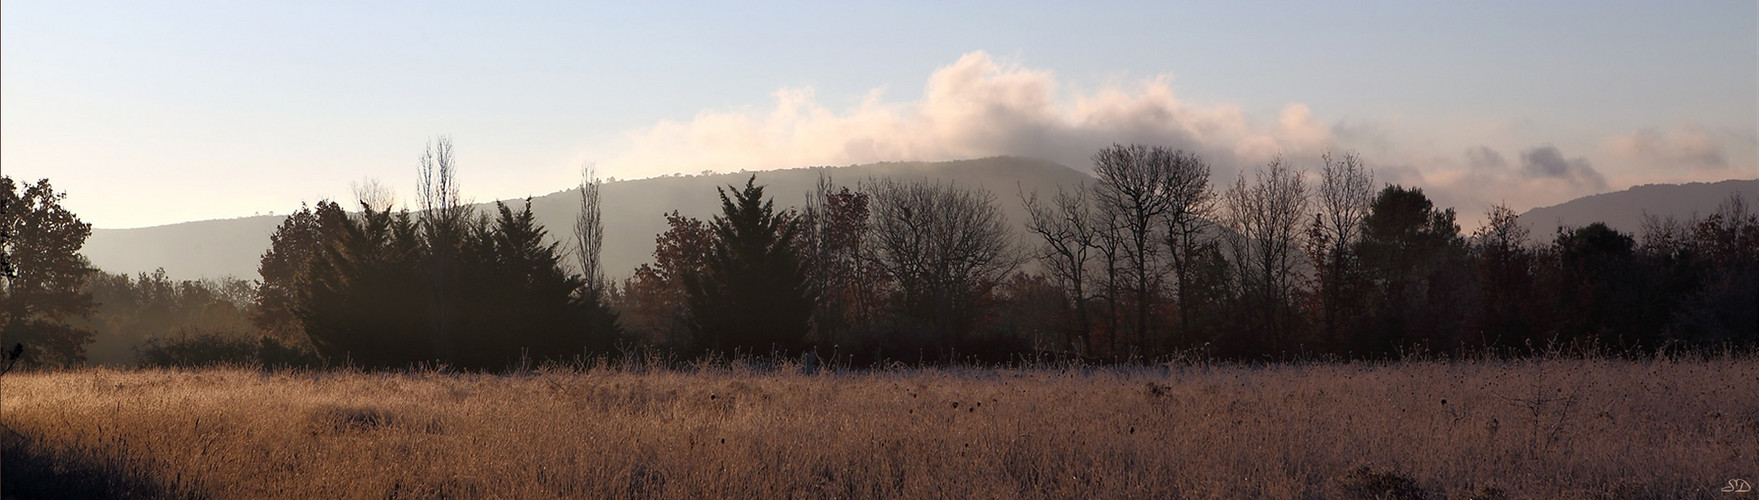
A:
[981,106]
[975,107]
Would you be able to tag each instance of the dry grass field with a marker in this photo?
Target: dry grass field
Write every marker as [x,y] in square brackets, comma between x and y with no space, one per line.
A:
[1565,428]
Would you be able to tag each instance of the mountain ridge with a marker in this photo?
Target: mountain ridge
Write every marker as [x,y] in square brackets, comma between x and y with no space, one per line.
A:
[1624,210]
[633,212]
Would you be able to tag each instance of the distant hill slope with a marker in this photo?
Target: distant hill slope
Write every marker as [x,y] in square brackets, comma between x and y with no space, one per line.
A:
[1623,210]
[187,250]
[633,213]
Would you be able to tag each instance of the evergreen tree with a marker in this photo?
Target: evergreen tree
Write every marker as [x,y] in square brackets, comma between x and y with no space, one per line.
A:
[519,301]
[754,294]
[1412,254]
[1606,296]
[364,298]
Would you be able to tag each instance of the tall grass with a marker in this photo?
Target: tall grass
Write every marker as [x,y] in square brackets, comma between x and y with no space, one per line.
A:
[1582,428]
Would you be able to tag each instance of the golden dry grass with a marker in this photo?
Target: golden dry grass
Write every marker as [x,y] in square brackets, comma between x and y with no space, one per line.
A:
[1520,429]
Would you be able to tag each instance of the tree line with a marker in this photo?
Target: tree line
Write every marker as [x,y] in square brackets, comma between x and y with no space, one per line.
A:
[1150,259]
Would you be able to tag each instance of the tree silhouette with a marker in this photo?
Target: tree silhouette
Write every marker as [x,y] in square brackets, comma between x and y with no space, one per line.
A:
[1605,293]
[754,294]
[1411,252]
[1721,310]
[365,299]
[519,303]
[46,287]
[589,233]
[1189,236]
[296,241]
[1265,217]
[654,302]
[945,247]
[1508,315]
[445,221]
[836,237]
[1133,185]
[1346,190]
[1067,228]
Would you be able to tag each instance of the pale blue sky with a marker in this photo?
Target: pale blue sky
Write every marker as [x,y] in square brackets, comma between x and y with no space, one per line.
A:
[158,112]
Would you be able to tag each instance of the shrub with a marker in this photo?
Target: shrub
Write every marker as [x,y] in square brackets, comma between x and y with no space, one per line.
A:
[193,348]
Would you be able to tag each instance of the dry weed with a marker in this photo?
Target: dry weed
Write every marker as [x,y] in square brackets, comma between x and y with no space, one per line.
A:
[1530,429]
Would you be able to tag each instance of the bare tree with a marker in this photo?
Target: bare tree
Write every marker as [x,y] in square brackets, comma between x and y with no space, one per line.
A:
[945,247]
[372,193]
[1265,217]
[1134,186]
[1190,210]
[589,232]
[1731,234]
[1067,227]
[444,221]
[438,186]
[1503,232]
[1660,235]
[819,258]
[1346,190]
[1108,231]
[836,235]
[1504,263]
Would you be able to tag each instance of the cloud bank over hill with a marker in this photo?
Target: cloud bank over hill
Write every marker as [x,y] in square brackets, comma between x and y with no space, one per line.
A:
[983,106]
[976,107]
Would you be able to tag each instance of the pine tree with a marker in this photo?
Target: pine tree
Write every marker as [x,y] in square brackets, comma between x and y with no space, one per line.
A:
[1414,256]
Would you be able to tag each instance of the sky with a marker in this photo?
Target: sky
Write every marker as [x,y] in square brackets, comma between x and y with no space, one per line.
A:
[149,113]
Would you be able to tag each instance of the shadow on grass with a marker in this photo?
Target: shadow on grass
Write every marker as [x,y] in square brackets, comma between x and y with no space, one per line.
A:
[29,470]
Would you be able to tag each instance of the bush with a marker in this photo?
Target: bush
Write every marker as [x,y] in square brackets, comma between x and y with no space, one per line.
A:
[273,353]
[196,348]
[192,348]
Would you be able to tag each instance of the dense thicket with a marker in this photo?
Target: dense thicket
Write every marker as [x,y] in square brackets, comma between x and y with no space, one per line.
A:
[138,314]
[383,288]
[368,294]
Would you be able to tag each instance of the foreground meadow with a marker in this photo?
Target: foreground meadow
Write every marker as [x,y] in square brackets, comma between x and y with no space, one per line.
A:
[1490,429]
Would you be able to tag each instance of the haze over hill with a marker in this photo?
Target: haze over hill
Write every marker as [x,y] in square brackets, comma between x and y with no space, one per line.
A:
[1624,210]
[633,213]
